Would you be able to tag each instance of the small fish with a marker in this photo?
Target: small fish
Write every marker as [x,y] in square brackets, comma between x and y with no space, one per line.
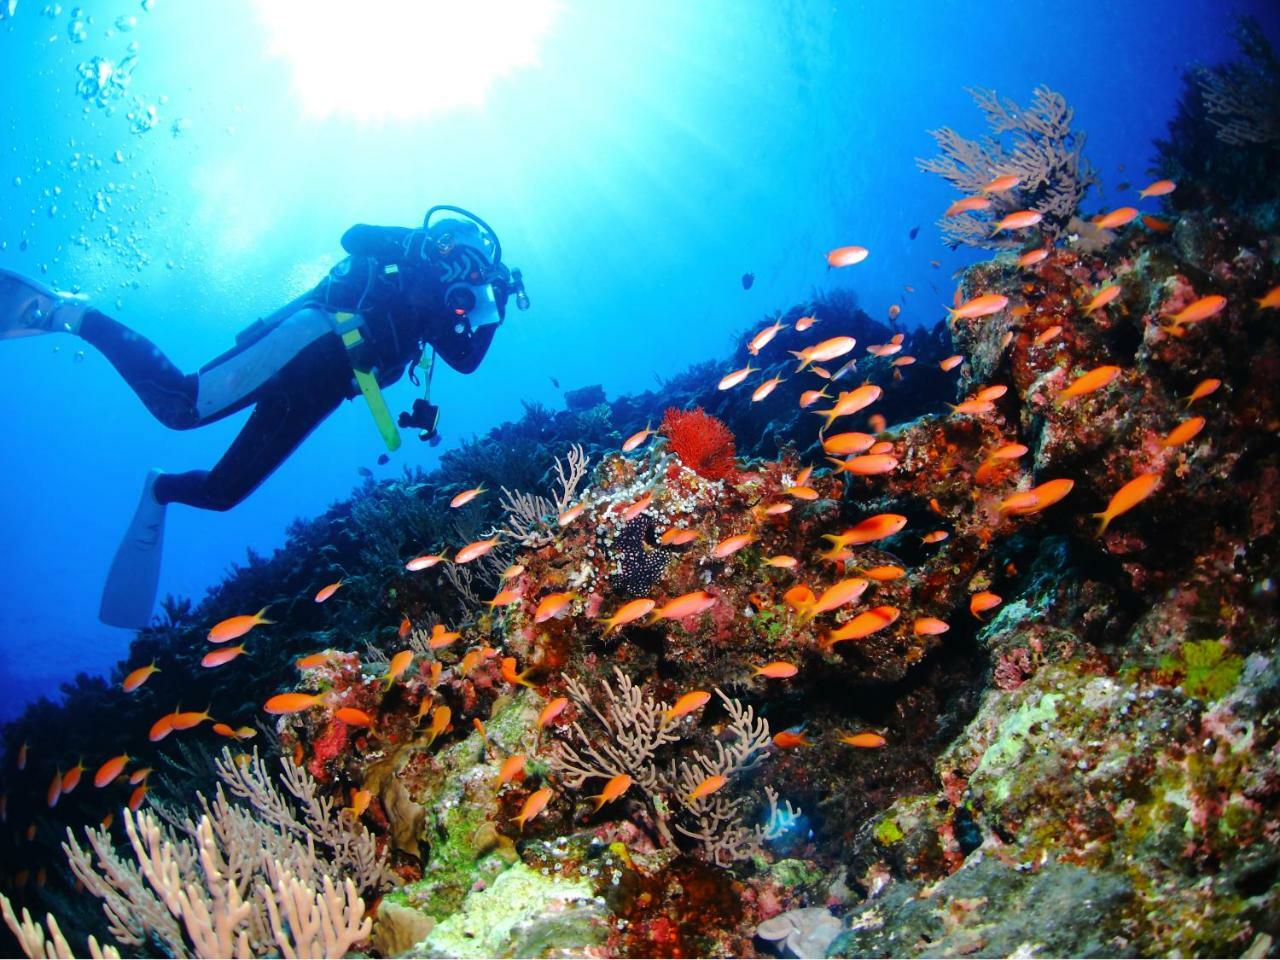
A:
[235,627]
[360,800]
[847,256]
[383,459]
[1203,389]
[804,323]
[838,595]
[1269,300]
[313,660]
[883,574]
[762,339]
[353,717]
[863,625]
[1037,498]
[1155,224]
[1018,220]
[731,380]
[637,438]
[139,775]
[982,601]
[846,444]
[1202,309]
[935,536]
[503,598]
[509,673]
[801,493]
[884,349]
[615,788]
[1183,432]
[903,361]
[850,403]
[777,670]
[185,720]
[441,637]
[226,730]
[1002,183]
[534,805]
[802,478]
[895,311]
[398,665]
[551,605]
[71,779]
[245,733]
[972,407]
[951,362]
[731,545]
[677,537]
[929,627]
[1047,334]
[628,613]
[110,770]
[405,628]
[1102,298]
[216,658]
[139,794]
[687,704]
[993,392]
[977,307]
[512,571]
[1095,379]
[554,382]
[747,280]
[790,739]
[440,718]
[161,728]
[424,562]
[552,710]
[22,756]
[327,592]
[781,562]
[874,528]
[967,205]
[777,509]
[466,496]
[1006,338]
[708,786]
[294,702]
[1021,310]
[1158,189]
[1032,257]
[512,768]
[865,741]
[137,678]
[765,389]
[915,232]
[1126,498]
[686,605]
[829,349]
[1116,218]
[475,550]
[810,397]
[570,515]
[870,465]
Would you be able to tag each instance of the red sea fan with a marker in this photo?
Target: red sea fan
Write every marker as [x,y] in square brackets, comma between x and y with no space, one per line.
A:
[703,443]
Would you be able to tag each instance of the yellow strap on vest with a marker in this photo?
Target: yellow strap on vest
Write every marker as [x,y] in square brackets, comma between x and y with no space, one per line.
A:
[368,384]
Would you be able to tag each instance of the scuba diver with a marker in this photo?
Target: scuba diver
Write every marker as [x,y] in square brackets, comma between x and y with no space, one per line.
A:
[399,293]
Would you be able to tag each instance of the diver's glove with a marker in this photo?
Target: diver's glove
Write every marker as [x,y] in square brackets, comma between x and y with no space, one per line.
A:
[28,308]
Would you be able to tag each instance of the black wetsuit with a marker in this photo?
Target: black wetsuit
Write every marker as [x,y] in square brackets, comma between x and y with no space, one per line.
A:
[401,310]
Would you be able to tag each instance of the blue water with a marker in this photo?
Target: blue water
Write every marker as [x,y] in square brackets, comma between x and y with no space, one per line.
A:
[635,163]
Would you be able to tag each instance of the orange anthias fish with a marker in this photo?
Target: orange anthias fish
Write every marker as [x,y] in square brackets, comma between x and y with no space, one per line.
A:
[801,493]
[293,702]
[929,627]
[847,256]
[475,550]
[552,710]
[850,403]
[777,670]
[235,627]
[185,720]
[1155,224]
[1202,309]
[636,508]
[552,605]
[22,756]
[883,574]
[1095,379]
[139,775]
[865,741]
[1019,220]
[534,805]
[440,718]
[1127,497]
[466,496]
[678,537]
[973,407]
[879,527]
[982,601]
[1158,189]
[821,352]
[1032,257]
[761,339]
[615,788]
[405,628]
[1203,389]
[327,592]
[967,205]
[161,728]
[139,794]
[1116,218]
[313,660]
[765,389]
[1102,298]
[1000,184]
[804,323]
[137,678]
[398,665]
[71,779]
[1183,432]
[777,509]
[441,637]
[869,465]
[781,562]
[708,786]
[1047,334]
[845,592]
[503,598]
[512,768]
[731,380]
[55,790]
[226,730]
[983,306]
[628,613]
[844,444]
[810,397]
[353,717]
[360,800]
[790,739]
[511,572]
[863,625]
[509,673]
[637,438]
[424,562]
[686,605]
[691,701]
[216,658]
[110,770]
[934,536]
[1269,300]
[951,362]
[731,545]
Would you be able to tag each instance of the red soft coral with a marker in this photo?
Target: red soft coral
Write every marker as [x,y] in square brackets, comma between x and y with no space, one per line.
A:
[703,443]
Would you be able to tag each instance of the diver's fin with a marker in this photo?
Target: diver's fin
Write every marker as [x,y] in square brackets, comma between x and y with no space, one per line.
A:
[130,590]
[28,308]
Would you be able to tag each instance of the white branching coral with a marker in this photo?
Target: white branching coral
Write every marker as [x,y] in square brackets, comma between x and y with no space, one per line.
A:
[36,943]
[629,736]
[1041,150]
[1242,98]
[531,519]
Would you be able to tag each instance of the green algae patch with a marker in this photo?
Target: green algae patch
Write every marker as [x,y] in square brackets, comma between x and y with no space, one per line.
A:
[1207,670]
[522,913]
[1011,739]
[888,832]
